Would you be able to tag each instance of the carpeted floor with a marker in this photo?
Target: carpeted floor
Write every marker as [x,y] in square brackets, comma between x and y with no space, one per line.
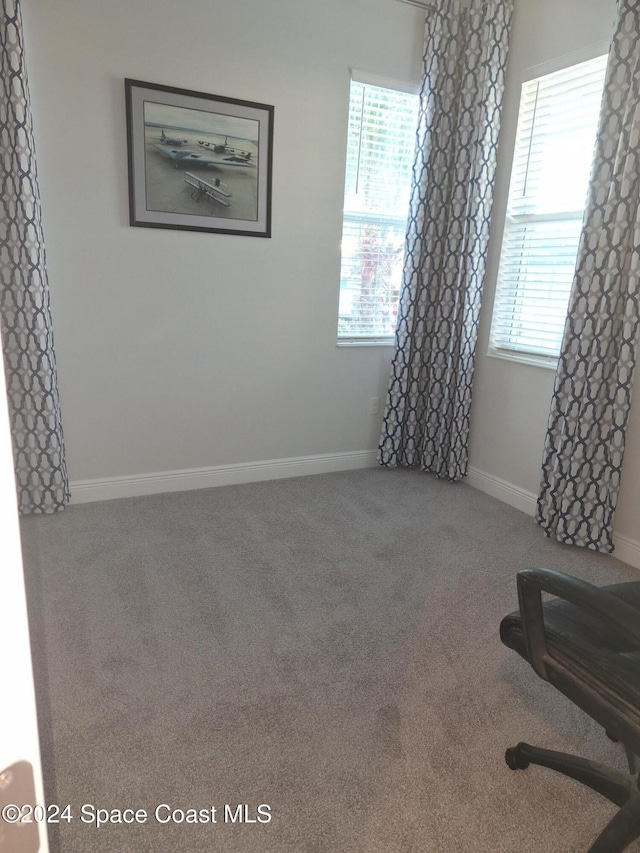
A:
[327,646]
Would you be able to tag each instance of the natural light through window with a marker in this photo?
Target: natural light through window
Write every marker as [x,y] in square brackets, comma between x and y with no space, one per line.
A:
[380,146]
[554,148]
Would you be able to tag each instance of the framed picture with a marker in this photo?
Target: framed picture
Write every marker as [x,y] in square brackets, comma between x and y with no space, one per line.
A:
[198,162]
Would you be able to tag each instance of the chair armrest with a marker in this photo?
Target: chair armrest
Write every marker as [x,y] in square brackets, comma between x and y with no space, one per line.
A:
[533,582]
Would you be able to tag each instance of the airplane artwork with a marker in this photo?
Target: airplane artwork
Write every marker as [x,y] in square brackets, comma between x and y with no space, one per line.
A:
[214,190]
[171,140]
[182,145]
[187,157]
[225,148]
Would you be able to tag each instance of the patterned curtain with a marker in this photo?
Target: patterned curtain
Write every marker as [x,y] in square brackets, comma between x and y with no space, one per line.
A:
[426,419]
[25,318]
[585,440]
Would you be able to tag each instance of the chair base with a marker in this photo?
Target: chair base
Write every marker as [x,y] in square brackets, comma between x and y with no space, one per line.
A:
[620,788]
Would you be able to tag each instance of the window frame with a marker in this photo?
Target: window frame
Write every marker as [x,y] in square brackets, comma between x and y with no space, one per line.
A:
[367,79]
[560,63]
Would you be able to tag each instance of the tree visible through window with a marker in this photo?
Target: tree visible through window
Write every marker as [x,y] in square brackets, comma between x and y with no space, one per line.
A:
[380,145]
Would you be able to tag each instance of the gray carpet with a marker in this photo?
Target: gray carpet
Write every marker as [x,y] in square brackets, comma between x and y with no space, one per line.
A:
[325,645]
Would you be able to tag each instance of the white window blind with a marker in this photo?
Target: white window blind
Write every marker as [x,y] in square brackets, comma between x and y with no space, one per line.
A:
[555,140]
[380,145]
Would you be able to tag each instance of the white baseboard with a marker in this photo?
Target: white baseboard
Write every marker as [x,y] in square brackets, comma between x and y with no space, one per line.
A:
[626,549]
[106,488]
[503,490]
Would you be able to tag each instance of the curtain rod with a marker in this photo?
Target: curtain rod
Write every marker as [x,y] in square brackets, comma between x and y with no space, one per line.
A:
[427,6]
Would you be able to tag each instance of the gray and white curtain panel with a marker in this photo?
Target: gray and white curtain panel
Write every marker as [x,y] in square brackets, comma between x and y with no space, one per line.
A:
[585,440]
[25,317]
[426,419]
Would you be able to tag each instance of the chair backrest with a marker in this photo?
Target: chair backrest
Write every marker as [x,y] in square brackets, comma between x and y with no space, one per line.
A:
[587,644]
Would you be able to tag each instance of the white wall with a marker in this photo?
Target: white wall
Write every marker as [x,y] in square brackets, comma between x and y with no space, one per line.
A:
[511,401]
[181,350]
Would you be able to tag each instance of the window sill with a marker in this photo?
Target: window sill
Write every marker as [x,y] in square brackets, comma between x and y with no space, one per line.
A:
[549,362]
[365,342]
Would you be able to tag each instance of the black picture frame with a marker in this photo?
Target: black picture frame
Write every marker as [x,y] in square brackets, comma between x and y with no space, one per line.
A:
[198,162]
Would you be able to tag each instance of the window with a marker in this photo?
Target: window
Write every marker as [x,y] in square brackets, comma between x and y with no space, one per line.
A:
[380,145]
[556,134]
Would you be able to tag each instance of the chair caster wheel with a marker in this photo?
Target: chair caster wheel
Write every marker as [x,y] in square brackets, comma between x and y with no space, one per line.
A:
[515,760]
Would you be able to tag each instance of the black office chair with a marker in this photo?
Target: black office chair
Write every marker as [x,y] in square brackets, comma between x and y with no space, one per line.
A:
[586,642]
